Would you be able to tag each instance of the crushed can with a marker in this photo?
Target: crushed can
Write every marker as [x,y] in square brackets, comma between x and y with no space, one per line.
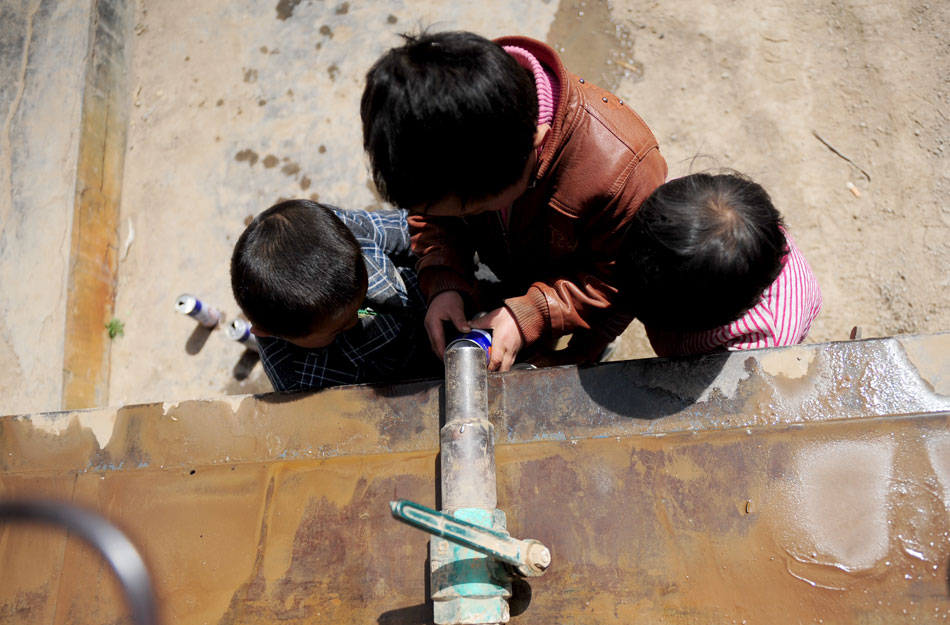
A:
[480,338]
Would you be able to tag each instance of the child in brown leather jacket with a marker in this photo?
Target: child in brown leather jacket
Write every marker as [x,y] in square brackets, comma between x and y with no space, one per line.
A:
[501,154]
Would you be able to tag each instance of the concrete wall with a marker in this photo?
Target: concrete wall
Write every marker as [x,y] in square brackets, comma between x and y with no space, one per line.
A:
[43,49]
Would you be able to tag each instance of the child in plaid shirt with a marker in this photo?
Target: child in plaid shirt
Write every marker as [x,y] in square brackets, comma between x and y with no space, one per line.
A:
[332,296]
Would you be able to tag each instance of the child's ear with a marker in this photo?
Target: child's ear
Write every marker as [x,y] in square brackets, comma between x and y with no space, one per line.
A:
[256,331]
[541,135]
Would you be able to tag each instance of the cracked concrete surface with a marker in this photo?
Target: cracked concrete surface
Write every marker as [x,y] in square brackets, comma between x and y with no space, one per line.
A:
[41,72]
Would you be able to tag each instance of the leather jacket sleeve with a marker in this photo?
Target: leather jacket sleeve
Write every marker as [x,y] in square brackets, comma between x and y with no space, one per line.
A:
[583,302]
[445,255]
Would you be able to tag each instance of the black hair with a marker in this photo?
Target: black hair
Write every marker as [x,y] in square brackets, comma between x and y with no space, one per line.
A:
[295,267]
[447,114]
[700,251]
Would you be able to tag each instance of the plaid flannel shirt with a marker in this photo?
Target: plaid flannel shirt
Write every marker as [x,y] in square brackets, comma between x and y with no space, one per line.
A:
[387,346]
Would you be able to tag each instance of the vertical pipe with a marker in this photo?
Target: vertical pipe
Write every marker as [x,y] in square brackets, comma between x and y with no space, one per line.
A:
[467,438]
[467,587]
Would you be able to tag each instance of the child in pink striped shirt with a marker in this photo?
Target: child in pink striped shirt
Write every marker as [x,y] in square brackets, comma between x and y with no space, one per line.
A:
[709,265]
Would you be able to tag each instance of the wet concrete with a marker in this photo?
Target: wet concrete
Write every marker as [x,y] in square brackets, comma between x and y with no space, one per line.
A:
[594,43]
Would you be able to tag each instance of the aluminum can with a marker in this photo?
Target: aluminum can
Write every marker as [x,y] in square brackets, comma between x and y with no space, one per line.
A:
[190,305]
[481,338]
[240,331]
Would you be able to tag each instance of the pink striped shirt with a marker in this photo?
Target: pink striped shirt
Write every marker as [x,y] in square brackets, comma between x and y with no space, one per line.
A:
[782,317]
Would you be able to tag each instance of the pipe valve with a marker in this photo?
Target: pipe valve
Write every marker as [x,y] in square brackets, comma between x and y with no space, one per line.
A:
[527,558]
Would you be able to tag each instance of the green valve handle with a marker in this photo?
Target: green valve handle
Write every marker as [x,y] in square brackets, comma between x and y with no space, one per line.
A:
[529,557]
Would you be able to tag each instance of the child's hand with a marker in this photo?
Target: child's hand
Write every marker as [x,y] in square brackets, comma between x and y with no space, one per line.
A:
[506,338]
[446,306]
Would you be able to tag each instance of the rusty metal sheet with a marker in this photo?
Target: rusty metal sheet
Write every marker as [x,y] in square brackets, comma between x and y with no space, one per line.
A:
[798,484]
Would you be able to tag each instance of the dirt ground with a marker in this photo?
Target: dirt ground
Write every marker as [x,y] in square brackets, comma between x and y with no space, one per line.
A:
[839,109]
[810,98]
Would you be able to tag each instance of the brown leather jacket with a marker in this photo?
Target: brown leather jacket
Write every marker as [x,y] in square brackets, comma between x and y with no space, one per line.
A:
[556,255]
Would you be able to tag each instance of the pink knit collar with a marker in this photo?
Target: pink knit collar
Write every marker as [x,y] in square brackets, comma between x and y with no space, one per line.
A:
[544,81]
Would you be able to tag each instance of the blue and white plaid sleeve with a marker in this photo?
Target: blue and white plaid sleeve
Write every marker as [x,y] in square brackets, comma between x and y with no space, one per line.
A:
[386,342]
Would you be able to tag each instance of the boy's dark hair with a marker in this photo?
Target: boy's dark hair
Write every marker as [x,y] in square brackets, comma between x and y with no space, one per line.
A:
[700,251]
[295,267]
[447,114]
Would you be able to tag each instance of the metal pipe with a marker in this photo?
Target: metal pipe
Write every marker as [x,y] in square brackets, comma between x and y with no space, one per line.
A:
[467,438]
[118,551]
[528,557]
[467,586]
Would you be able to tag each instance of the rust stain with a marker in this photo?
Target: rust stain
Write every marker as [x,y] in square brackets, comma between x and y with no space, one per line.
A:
[34,552]
[274,508]
[333,552]
[93,260]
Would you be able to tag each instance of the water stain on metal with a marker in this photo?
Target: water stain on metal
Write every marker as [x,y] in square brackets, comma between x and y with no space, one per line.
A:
[339,528]
[285,9]
[641,495]
[927,356]
[848,526]
[593,43]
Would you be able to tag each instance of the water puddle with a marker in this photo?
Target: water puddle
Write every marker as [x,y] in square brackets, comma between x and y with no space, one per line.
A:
[594,44]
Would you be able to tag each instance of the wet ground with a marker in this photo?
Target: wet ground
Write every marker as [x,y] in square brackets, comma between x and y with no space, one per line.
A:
[807,484]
